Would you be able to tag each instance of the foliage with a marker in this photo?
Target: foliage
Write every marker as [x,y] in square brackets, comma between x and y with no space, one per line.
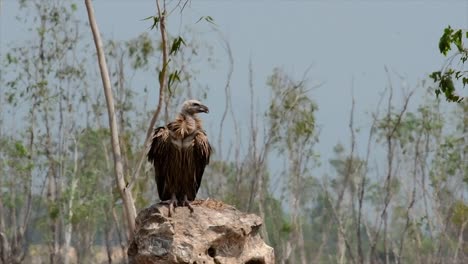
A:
[447,77]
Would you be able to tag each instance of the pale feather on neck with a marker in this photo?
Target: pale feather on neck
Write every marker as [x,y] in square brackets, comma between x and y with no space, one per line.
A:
[185,133]
[188,124]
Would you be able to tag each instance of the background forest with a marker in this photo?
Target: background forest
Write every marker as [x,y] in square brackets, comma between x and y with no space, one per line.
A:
[391,190]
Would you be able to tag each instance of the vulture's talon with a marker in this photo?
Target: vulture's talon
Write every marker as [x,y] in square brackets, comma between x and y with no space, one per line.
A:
[172,204]
[187,203]
[170,209]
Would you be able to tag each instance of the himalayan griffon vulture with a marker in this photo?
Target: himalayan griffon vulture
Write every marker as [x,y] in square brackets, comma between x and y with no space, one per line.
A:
[179,152]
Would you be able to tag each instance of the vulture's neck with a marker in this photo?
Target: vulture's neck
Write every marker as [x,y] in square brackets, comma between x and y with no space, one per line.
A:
[185,125]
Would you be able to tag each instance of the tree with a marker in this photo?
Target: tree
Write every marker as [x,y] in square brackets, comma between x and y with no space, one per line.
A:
[16,203]
[43,75]
[292,124]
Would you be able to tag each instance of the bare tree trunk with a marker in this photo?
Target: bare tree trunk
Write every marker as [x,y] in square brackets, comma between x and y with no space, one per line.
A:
[119,234]
[294,197]
[125,192]
[301,245]
[286,252]
[257,156]
[341,249]
[68,225]
[52,194]
[52,177]
[460,244]
[4,248]
[121,99]
[412,200]
[464,106]
[296,237]
[108,230]
[319,252]
[341,230]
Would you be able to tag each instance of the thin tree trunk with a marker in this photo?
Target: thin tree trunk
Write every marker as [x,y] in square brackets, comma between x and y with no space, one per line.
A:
[52,198]
[341,249]
[125,193]
[108,230]
[68,225]
[119,234]
[301,244]
[460,244]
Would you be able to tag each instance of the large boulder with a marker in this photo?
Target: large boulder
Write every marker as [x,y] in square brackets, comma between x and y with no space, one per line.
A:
[214,233]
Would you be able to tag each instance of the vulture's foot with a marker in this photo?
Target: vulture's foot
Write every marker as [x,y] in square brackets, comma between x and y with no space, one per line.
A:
[186,202]
[172,204]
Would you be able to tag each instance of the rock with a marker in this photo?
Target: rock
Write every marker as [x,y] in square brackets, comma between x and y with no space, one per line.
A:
[214,233]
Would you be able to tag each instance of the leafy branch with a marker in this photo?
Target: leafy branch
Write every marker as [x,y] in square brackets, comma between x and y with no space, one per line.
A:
[166,78]
[445,77]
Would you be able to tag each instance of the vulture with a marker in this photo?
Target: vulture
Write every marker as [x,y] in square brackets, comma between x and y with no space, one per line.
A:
[180,152]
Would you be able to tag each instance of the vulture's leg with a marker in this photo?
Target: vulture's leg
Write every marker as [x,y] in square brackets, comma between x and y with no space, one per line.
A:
[187,203]
[172,204]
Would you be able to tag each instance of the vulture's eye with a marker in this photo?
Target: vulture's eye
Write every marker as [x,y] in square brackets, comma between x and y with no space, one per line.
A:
[196,104]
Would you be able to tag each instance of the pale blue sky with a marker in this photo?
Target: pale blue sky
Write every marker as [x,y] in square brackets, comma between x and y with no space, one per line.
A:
[339,40]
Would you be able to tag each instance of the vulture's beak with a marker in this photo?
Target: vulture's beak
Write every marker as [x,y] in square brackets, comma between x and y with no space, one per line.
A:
[203,109]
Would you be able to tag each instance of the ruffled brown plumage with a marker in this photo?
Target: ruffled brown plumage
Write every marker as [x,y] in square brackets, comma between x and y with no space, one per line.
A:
[180,152]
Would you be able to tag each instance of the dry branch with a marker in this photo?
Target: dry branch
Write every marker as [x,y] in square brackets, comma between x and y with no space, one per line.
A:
[129,204]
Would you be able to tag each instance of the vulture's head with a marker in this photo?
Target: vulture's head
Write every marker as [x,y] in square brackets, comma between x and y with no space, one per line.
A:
[191,107]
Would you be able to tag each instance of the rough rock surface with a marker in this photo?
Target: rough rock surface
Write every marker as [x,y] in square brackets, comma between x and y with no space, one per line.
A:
[214,233]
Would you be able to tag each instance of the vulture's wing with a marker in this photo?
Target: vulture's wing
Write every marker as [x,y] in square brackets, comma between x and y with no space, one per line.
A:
[158,155]
[201,154]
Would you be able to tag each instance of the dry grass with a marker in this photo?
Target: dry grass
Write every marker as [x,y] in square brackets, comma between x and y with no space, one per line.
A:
[212,204]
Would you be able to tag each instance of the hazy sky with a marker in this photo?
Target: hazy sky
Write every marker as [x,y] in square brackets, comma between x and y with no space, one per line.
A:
[339,40]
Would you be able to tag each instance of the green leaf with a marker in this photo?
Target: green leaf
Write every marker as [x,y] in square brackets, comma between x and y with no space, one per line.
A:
[448,88]
[11,59]
[10,98]
[160,76]
[173,77]
[208,19]
[457,40]
[54,211]
[156,20]
[435,76]
[464,58]
[175,47]
[465,81]
[20,149]
[445,40]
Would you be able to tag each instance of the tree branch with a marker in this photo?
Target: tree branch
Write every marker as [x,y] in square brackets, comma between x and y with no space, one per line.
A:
[162,86]
[125,193]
